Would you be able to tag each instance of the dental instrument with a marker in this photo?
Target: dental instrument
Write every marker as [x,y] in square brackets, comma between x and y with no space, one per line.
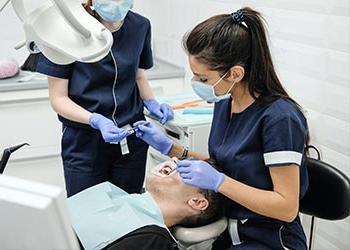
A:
[174,169]
[131,131]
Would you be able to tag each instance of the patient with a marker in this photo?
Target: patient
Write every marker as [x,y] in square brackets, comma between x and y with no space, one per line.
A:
[106,217]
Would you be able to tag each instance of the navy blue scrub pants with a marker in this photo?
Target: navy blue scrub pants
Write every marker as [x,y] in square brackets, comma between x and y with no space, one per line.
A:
[265,234]
[88,161]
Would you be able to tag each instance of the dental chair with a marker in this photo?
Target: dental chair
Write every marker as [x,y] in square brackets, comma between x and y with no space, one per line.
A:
[328,195]
[63,31]
[199,238]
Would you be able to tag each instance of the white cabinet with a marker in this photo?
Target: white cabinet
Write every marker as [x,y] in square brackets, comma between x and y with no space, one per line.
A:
[26,116]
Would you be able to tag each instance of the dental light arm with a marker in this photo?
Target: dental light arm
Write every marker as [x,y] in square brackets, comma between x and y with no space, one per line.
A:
[63,31]
[70,18]
[61,6]
[3,4]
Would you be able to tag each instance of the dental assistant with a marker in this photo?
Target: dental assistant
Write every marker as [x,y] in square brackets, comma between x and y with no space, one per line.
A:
[98,103]
[257,137]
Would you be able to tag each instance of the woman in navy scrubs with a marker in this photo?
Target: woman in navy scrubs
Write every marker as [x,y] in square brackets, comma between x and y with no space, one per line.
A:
[98,102]
[257,137]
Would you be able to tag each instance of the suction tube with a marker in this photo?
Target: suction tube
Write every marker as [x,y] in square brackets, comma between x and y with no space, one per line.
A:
[6,155]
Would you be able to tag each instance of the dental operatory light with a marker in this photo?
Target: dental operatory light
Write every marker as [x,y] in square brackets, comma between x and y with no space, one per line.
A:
[63,31]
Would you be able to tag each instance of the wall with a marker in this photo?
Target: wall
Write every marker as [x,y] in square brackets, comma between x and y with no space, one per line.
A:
[12,32]
[311,47]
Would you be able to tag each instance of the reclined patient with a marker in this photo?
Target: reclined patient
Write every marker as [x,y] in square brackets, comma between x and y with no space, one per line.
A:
[106,217]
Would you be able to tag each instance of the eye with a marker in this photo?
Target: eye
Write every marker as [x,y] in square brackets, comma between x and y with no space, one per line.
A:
[203,80]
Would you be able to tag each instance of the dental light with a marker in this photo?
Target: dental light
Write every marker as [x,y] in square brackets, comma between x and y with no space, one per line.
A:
[63,31]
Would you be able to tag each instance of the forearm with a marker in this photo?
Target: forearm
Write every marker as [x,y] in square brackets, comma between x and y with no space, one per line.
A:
[143,85]
[65,107]
[268,203]
[62,104]
[177,151]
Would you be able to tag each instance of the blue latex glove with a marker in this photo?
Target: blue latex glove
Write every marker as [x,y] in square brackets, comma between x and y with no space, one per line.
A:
[162,111]
[152,135]
[110,132]
[200,174]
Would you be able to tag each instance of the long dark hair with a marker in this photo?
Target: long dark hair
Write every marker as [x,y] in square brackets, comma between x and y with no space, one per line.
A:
[222,42]
[87,5]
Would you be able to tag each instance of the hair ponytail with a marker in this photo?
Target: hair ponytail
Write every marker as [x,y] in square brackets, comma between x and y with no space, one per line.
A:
[263,79]
[240,38]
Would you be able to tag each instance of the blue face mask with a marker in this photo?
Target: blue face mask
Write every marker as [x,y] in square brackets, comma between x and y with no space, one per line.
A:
[207,91]
[111,10]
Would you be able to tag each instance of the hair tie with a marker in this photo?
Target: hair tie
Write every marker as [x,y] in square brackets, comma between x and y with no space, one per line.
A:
[238,16]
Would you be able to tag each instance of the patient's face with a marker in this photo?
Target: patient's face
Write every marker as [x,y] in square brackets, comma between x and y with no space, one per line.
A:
[162,182]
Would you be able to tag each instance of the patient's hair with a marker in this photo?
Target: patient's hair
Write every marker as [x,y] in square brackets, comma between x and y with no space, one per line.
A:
[214,210]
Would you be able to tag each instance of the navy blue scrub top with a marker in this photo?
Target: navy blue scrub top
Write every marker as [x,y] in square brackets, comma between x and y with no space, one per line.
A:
[91,84]
[247,144]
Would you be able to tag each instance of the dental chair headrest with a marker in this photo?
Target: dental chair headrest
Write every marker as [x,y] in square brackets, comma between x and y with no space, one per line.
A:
[199,234]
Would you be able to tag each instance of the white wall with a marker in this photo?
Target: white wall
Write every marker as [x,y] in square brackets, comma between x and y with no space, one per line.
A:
[11,32]
[311,47]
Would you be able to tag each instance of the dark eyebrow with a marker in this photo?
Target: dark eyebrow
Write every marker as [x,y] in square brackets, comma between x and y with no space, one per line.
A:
[197,74]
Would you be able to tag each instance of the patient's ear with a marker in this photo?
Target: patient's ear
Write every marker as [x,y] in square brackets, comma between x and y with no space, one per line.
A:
[198,203]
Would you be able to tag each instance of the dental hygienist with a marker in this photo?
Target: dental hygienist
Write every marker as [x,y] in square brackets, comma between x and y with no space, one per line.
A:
[257,137]
[96,102]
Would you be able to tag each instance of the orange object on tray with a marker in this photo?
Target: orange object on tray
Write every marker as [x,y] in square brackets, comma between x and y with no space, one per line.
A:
[190,104]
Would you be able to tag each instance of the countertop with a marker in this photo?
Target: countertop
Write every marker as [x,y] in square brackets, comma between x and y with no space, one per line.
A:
[160,70]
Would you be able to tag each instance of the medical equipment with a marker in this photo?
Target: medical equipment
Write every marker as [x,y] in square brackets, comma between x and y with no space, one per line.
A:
[206,91]
[194,103]
[198,111]
[33,216]
[131,131]
[199,238]
[112,11]
[8,68]
[63,31]
[6,155]
[172,171]
[174,168]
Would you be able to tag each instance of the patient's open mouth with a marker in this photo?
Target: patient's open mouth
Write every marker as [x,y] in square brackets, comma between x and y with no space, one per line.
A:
[164,169]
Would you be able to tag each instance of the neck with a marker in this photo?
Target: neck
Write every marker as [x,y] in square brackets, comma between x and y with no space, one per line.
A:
[241,97]
[171,211]
[112,27]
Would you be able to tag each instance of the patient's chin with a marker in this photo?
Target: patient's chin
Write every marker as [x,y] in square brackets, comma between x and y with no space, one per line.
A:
[150,184]
[155,183]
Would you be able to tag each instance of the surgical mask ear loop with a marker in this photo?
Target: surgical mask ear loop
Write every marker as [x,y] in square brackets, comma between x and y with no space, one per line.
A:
[228,91]
[220,79]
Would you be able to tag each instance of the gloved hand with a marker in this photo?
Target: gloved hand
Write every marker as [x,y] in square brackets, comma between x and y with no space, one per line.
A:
[162,111]
[110,132]
[200,174]
[152,135]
